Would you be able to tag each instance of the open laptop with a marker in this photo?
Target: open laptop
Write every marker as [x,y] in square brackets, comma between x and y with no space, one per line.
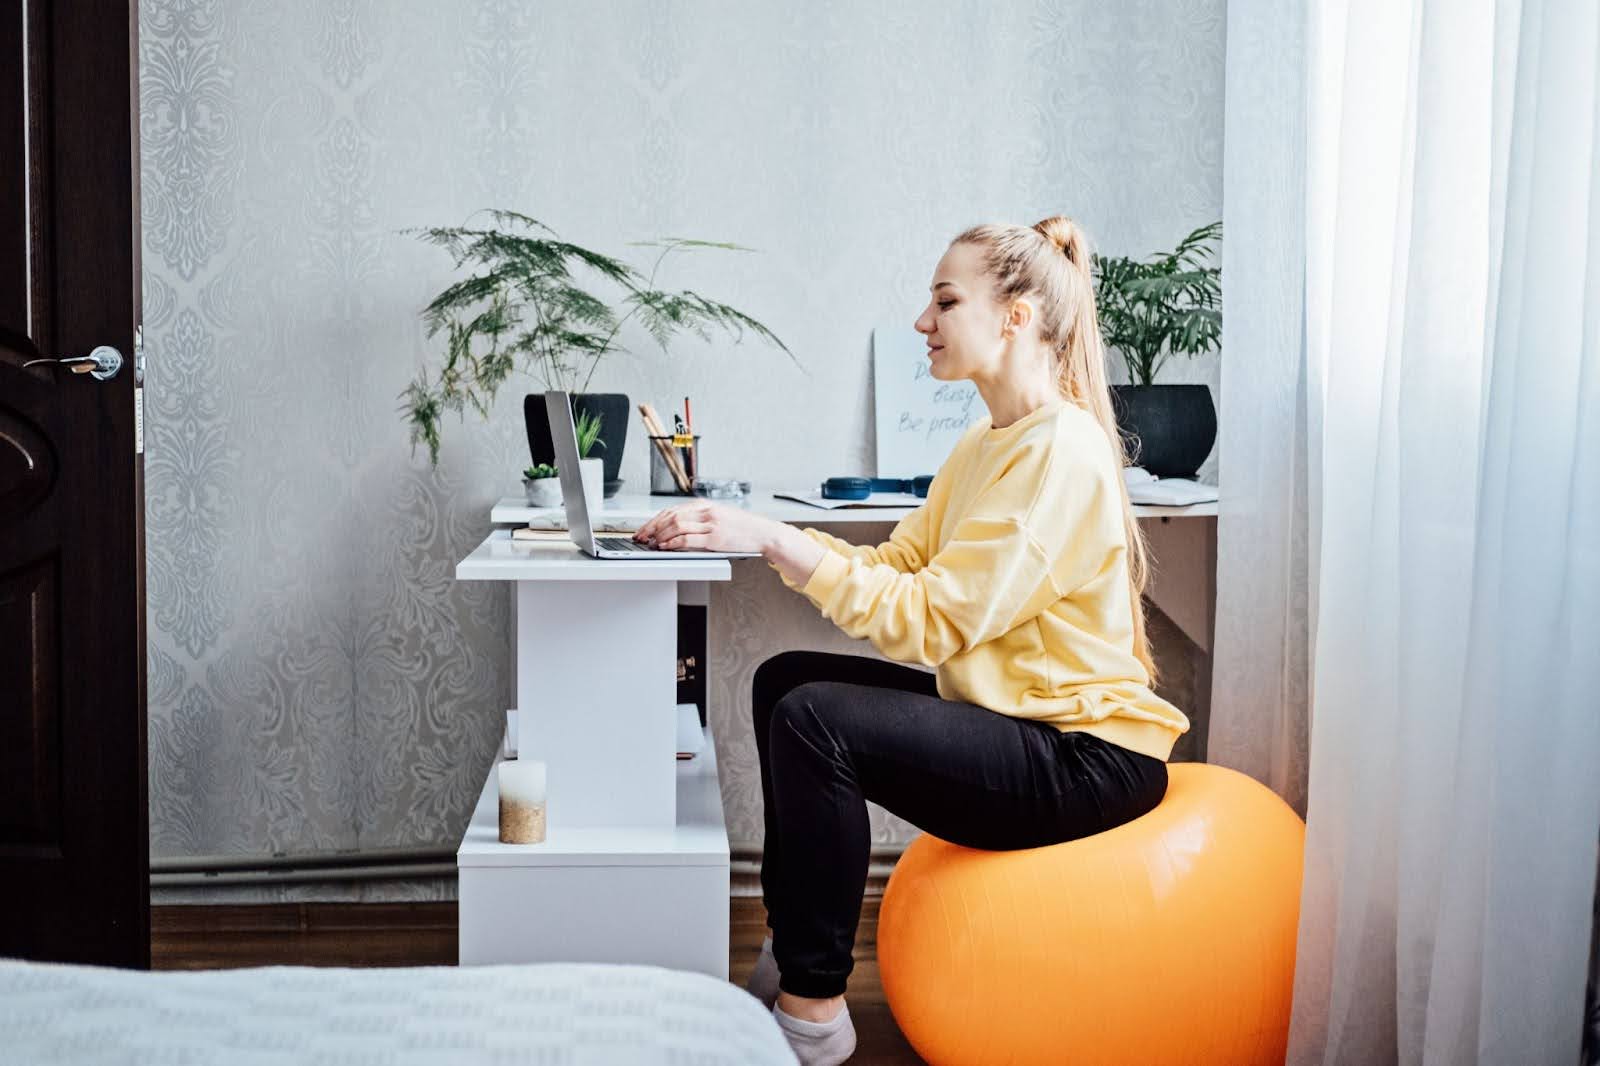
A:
[564,435]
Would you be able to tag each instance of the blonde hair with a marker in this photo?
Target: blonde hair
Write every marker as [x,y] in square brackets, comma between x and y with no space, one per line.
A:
[1052,262]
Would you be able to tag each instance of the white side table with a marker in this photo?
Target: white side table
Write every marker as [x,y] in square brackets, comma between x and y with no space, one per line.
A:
[634,867]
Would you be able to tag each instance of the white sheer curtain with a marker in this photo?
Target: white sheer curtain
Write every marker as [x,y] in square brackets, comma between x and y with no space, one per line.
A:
[1447,229]
[1260,657]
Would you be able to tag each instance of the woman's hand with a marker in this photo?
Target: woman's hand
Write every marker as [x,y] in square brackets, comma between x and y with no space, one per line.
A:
[709,527]
[717,527]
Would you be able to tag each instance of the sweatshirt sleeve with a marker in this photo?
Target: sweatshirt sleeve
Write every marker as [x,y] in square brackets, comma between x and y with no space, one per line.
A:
[906,550]
[1041,530]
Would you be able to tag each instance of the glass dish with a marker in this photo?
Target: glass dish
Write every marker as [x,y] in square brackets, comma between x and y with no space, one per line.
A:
[722,488]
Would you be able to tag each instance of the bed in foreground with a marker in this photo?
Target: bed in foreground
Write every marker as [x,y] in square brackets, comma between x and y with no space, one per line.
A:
[555,1013]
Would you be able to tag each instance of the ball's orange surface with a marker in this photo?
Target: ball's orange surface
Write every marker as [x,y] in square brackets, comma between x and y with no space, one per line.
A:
[1169,939]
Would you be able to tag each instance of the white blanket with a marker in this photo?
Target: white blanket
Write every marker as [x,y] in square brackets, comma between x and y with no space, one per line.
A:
[550,1014]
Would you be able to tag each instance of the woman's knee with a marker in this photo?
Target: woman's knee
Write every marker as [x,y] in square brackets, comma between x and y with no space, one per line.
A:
[775,678]
[808,711]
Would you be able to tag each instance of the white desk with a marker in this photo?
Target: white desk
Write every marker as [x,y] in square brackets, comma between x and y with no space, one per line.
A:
[1182,584]
[635,864]
[635,867]
[622,508]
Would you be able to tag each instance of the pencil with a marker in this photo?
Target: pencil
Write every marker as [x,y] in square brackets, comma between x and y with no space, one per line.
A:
[669,455]
[656,432]
[653,431]
[688,425]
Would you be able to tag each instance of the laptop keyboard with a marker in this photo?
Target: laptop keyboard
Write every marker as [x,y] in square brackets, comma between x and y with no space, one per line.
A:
[621,544]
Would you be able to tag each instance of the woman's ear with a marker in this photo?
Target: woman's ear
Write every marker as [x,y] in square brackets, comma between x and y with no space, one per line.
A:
[1019,316]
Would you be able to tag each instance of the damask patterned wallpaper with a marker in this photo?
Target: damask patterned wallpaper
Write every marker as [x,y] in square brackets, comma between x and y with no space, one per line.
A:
[318,680]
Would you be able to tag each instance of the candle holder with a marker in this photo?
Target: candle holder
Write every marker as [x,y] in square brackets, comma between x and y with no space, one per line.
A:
[522,801]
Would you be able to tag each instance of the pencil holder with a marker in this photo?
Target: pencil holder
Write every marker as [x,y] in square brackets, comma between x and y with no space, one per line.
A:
[662,482]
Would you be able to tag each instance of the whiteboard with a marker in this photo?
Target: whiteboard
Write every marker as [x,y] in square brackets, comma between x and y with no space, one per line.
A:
[919,418]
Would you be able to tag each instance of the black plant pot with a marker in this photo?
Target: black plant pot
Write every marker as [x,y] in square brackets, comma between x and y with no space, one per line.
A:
[612,407]
[1174,426]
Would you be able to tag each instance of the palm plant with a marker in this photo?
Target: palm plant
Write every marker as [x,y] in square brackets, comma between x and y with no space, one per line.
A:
[524,308]
[1169,304]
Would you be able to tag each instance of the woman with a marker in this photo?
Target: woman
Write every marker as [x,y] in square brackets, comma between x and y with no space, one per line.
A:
[1019,580]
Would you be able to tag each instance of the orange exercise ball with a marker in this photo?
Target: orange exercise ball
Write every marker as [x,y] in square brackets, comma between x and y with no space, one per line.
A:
[1169,939]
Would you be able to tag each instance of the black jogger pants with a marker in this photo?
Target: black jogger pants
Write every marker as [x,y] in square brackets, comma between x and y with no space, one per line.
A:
[834,731]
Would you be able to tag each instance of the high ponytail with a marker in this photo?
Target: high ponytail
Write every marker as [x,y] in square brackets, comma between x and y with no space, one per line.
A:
[1052,261]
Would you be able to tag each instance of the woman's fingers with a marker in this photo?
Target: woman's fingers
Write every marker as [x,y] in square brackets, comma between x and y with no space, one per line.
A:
[672,521]
[682,528]
[685,534]
[653,526]
[686,542]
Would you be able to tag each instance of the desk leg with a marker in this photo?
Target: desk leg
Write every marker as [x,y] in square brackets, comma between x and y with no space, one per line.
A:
[596,699]
[1184,586]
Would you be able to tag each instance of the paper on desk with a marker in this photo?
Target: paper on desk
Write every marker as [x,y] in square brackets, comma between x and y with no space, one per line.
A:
[1145,488]
[876,499]
[551,536]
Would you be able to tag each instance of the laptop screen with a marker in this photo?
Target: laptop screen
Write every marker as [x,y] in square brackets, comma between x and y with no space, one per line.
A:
[564,435]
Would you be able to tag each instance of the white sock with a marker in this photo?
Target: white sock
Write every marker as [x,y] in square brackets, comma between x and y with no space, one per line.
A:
[763,983]
[819,1043]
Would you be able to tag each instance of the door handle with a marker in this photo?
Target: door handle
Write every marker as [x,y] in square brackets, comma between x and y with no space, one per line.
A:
[102,363]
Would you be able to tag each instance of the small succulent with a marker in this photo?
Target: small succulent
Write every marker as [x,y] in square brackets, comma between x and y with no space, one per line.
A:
[534,473]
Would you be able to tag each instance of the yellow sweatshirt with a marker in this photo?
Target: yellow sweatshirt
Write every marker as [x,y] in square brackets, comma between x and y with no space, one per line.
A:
[1012,580]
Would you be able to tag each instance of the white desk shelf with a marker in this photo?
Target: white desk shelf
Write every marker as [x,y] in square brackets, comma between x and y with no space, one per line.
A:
[698,838]
[617,894]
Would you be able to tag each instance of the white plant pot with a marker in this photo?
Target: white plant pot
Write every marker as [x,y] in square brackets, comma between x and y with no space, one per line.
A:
[593,474]
[543,492]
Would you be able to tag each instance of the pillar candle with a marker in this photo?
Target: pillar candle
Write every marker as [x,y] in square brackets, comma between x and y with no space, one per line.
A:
[522,801]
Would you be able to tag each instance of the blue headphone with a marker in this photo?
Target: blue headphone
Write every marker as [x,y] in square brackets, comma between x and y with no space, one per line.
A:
[859,488]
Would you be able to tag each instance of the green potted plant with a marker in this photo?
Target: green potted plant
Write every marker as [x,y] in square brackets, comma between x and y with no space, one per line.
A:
[541,480]
[542,485]
[1150,310]
[524,307]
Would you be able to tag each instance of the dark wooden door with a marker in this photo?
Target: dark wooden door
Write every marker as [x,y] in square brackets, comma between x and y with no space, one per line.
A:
[74,825]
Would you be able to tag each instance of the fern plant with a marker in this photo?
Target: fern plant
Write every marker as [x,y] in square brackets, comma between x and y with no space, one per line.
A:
[1166,305]
[525,307]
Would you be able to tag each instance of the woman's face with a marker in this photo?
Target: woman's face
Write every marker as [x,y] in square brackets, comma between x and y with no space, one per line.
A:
[963,323]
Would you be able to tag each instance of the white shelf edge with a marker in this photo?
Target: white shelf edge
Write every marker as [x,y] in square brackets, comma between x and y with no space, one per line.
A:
[701,838]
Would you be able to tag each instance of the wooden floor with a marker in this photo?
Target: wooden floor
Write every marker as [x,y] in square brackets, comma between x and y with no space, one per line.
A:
[424,934]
